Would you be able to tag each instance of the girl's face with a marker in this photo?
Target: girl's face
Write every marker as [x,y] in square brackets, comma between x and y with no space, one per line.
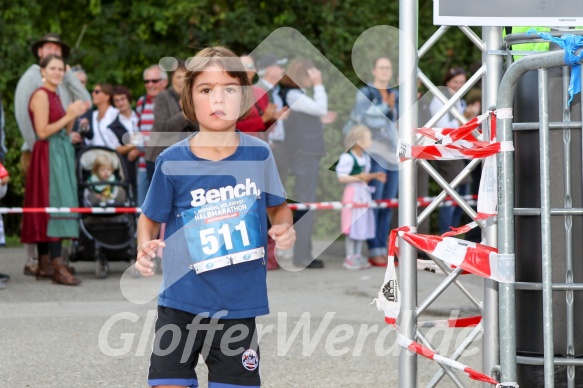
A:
[54,72]
[104,172]
[217,100]
[456,82]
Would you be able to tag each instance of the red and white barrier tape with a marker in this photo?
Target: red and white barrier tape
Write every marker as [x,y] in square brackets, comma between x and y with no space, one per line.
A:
[479,259]
[459,143]
[83,210]
[337,205]
[454,144]
[457,322]
[452,151]
[474,258]
[421,350]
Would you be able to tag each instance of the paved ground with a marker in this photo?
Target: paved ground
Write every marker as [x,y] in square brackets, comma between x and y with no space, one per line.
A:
[92,336]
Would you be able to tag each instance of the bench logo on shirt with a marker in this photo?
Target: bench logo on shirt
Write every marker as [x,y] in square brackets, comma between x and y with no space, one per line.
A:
[250,359]
[201,197]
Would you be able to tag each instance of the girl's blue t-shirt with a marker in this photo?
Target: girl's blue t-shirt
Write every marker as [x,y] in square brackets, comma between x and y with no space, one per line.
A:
[216,227]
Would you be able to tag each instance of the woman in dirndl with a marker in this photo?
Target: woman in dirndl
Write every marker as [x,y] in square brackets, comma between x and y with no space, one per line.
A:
[51,181]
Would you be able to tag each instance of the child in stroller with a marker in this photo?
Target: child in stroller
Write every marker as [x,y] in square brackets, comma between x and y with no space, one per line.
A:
[100,193]
[102,182]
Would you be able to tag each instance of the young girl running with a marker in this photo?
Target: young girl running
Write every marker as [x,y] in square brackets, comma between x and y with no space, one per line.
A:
[214,190]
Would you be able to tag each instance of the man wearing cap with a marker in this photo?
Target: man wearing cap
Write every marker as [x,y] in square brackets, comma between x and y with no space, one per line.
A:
[271,70]
[69,90]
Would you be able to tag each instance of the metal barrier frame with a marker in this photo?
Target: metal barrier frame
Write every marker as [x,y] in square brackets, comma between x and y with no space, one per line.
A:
[410,309]
[498,308]
[506,212]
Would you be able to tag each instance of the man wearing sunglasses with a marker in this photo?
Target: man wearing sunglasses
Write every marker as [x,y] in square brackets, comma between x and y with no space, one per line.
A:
[155,81]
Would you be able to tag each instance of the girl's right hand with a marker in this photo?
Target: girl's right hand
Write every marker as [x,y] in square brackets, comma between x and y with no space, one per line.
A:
[146,252]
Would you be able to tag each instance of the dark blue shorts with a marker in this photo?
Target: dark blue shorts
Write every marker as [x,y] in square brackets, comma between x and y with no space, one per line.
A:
[228,346]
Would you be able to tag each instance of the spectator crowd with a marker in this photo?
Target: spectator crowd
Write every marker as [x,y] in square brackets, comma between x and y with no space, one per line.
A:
[58,117]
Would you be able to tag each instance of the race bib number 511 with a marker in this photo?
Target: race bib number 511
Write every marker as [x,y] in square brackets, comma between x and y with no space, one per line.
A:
[223,233]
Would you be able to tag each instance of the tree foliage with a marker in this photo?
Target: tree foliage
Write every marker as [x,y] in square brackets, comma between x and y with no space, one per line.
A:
[115,40]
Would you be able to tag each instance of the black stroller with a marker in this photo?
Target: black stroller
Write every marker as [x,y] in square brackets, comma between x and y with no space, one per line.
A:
[104,237]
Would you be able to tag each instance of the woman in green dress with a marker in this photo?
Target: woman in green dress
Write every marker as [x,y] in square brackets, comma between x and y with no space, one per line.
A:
[51,181]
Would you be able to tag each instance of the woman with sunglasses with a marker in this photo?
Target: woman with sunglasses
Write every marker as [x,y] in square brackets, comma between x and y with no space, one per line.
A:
[51,181]
[101,116]
[454,79]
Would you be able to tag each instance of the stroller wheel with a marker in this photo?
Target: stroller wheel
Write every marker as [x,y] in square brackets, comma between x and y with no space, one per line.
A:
[101,267]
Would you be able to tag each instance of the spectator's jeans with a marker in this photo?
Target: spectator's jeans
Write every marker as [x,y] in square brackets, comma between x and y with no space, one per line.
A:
[377,246]
[452,215]
[144,180]
[143,185]
[306,169]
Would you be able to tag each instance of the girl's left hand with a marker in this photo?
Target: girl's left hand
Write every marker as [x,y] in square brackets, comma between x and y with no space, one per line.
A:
[284,235]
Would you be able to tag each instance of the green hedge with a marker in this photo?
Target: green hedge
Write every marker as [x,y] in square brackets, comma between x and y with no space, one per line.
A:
[115,40]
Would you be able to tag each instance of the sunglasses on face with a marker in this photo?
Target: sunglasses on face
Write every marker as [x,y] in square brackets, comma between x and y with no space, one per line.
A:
[153,81]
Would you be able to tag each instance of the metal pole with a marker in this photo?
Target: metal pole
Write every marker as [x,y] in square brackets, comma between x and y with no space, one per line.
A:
[431,41]
[408,42]
[490,343]
[545,194]
[569,295]
[507,320]
[568,202]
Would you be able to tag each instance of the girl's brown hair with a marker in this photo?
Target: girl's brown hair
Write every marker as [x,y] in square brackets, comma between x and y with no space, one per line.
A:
[46,60]
[453,72]
[226,60]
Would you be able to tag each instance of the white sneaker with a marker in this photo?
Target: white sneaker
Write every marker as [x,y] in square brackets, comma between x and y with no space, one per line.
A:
[364,262]
[354,262]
